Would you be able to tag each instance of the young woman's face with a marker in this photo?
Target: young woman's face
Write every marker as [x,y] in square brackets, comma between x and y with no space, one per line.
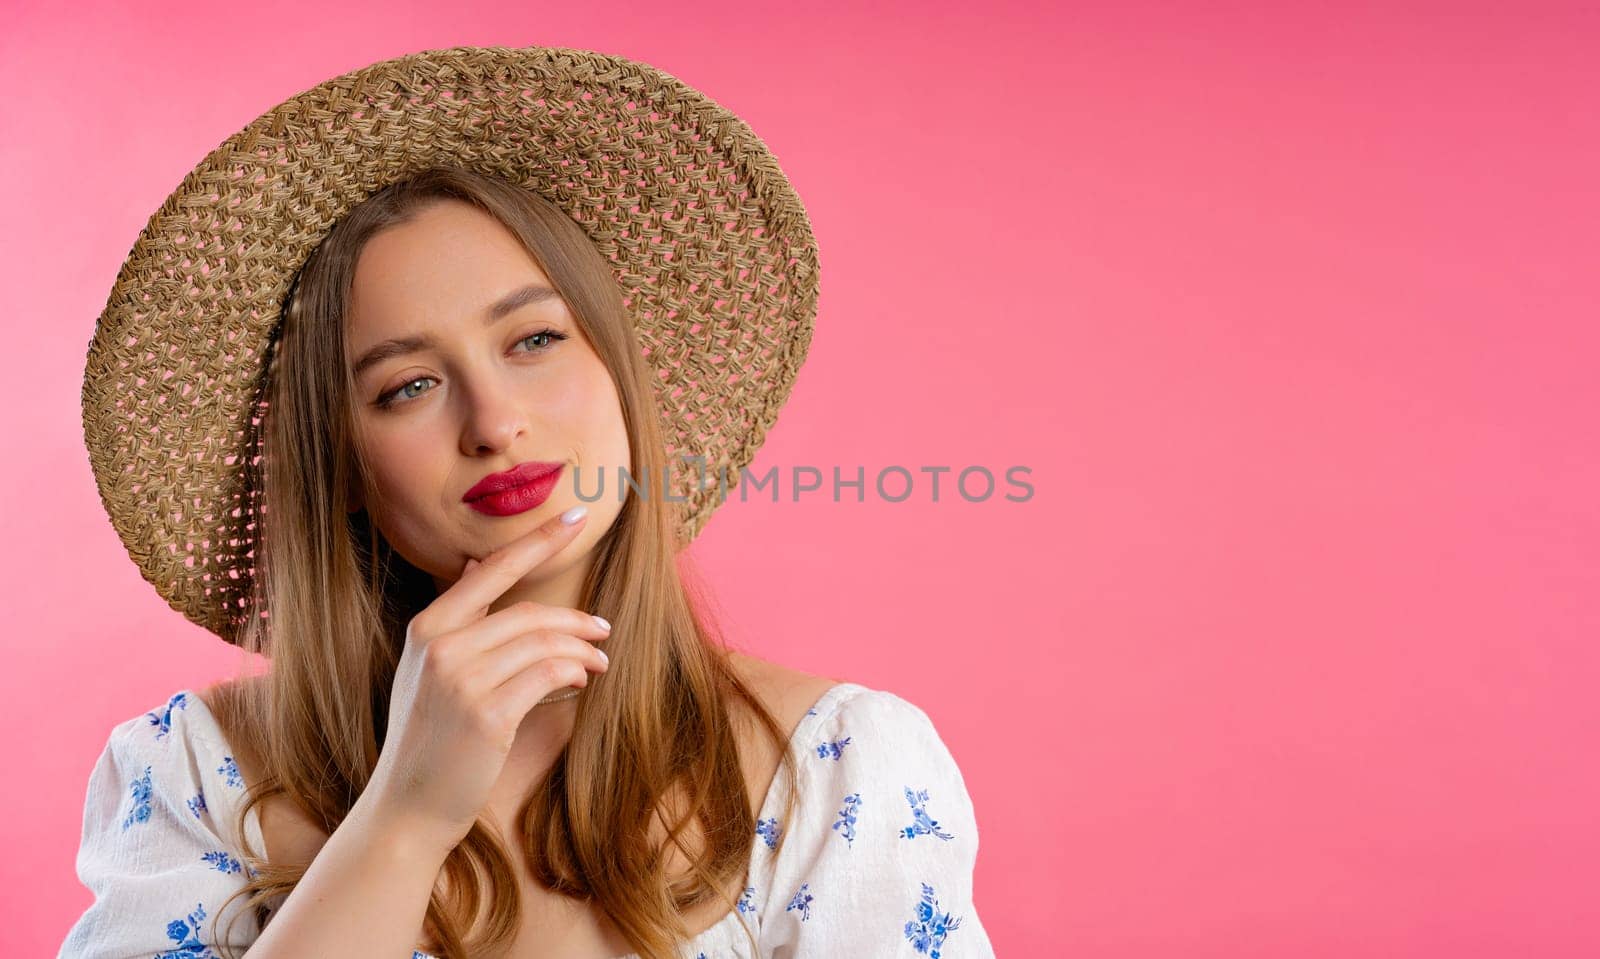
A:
[486,395]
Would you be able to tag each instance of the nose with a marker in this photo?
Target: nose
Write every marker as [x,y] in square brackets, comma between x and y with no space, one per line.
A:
[494,417]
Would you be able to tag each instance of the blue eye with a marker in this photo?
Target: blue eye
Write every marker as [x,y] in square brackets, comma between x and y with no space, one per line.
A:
[388,399]
[553,336]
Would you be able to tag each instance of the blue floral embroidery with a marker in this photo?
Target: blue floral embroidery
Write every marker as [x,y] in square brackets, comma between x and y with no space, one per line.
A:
[847,818]
[186,933]
[223,861]
[230,771]
[927,932]
[768,830]
[746,904]
[921,823]
[197,805]
[801,901]
[833,750]
[142,791]
[162,720]
[811,712]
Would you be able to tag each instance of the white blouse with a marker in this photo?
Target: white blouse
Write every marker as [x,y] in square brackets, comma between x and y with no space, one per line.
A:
[879,860]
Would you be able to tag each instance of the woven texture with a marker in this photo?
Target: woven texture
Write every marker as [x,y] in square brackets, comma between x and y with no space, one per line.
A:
[708,240]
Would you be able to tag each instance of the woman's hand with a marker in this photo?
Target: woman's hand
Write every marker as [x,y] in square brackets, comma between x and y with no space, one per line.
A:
[465,681]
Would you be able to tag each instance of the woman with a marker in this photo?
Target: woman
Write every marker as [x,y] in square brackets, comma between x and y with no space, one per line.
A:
[454,488]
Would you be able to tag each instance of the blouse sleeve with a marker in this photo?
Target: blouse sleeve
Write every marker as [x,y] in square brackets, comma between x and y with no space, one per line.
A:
[880,854]
[152,850]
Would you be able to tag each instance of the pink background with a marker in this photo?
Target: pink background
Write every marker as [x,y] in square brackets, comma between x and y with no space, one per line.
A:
[1291,312]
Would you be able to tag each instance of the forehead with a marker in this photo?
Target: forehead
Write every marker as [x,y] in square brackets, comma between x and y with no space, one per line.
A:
[444,266]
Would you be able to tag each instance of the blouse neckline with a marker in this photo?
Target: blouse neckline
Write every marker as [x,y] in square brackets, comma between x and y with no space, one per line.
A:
[724,926]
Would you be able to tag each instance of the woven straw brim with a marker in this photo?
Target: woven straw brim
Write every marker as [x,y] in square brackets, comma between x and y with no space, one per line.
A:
[709,241]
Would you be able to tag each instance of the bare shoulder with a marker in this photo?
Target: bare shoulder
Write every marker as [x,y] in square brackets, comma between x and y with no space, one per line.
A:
[288,832]
[220,695]
[227,703]
[788,693]
[224,700]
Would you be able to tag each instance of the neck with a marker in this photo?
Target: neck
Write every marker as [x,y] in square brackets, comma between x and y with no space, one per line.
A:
[544,732]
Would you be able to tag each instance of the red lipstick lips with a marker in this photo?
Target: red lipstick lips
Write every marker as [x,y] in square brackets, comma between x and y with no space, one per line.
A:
[517,490]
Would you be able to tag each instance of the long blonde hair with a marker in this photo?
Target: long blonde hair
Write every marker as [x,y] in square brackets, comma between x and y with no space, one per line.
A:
[333,601]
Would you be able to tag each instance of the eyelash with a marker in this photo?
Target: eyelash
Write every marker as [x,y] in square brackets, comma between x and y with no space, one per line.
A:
[390,398]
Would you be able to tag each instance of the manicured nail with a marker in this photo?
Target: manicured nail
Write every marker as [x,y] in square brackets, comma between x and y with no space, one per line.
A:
[603,657]
[603,624]
[574,514]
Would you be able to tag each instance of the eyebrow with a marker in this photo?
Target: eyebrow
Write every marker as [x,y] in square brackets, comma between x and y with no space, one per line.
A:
[400,346]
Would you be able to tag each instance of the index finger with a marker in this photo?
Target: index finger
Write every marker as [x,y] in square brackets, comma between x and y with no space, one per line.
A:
[482,583]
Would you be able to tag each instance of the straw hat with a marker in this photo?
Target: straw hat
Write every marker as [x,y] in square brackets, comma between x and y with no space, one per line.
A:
[709,242]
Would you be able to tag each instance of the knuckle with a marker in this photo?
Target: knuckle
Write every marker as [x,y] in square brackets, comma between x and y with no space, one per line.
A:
[420,627]
[440,656]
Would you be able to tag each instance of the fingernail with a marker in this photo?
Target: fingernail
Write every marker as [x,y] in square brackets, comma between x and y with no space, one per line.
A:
[603,624]
[603,657]
[574,514]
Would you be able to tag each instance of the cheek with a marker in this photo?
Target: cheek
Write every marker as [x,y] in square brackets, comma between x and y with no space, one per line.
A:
[398,460]
[588,412]
[402,504]
[605,428]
